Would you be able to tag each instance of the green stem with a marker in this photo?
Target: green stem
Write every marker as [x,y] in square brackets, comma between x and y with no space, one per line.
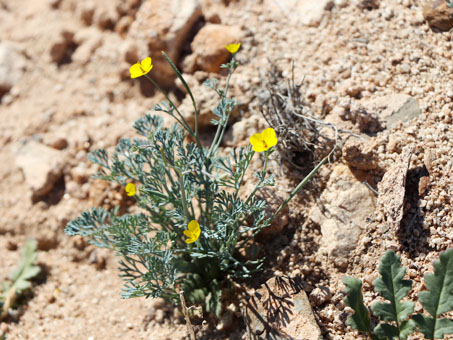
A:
[300,186]
[183,195]
[266,156]
[216,141]
[181,184]
[184,83]
[183,121]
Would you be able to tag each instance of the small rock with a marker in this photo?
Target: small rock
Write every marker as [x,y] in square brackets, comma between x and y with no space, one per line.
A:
[423,185]
[47,239]
[106,16]
[97,259]
[368,4]
[320,295]
[439,15]
[86,11]
[42,167]
[160,316]
[209,45]
[11,245]
[54,3]
[63,47]
[122,27]
[280,309]
[360,155]
[12,64]
[80,173]
[56,142]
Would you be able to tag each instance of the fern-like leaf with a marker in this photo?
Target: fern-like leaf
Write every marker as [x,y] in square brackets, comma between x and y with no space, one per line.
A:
[360,320]
[393,288]
[438,299]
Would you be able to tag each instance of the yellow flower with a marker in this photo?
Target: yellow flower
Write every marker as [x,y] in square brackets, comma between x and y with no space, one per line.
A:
[264,140]
[193,231]
[142,68]
[130,189]
[233,48]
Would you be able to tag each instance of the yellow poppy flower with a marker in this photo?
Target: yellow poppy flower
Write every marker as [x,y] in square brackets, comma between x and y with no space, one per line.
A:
[142,68]
[233,48]
[193,231]
[130,189]
[264,140]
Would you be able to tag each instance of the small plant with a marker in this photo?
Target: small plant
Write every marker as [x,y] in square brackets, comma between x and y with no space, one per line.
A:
[436,301]
[194,228]
[19,279]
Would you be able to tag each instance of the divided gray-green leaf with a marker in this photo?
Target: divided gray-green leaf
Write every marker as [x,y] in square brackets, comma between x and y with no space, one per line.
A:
[26,269]
[20,277]
[438,299]
[393,288]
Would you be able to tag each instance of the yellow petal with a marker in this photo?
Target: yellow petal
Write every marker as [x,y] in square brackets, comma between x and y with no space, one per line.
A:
[188,233]
[193,225]
[233,48]
[146,65]
[130,189]
[136,71]
[269,137]
[257,142]
[190,240]
[196,233]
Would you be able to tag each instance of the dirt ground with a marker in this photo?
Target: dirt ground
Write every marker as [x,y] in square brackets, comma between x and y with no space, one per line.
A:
[71,92]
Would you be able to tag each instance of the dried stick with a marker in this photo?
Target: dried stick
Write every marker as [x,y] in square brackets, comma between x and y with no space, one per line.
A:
[184,309]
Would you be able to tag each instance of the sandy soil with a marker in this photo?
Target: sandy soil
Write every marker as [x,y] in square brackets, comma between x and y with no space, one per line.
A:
[86,101]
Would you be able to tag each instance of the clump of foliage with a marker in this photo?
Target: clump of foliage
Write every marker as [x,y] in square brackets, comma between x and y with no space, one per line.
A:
[437,300]
[20,278]
[183,189]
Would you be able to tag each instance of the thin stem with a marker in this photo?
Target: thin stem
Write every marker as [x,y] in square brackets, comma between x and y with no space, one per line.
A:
[181,184]
[220,127]
[300,186]
[184,83]
[183,122]
[266,156]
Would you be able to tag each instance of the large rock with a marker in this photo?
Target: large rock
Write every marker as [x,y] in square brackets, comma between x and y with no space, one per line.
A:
[439,15]
[42,167]
[342,212]
[280,310]
[393,108]
[209,44]
[164,26]
[12,64]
